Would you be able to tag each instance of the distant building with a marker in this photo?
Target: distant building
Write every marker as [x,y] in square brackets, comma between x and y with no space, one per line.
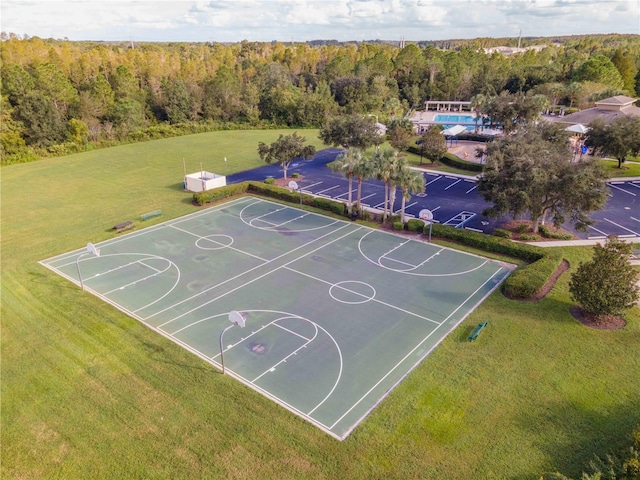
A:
[506,51]
[608,110]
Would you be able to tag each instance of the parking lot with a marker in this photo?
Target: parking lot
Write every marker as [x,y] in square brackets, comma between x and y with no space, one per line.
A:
[453,199]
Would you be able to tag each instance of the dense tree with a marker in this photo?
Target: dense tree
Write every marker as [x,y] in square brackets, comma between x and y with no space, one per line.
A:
[285,150]
[399,134]
[350,131]
[530,173]
[117,91]
[599,69]
[433,145]
[607,284]
[626,66]
[44,124]
[620,139]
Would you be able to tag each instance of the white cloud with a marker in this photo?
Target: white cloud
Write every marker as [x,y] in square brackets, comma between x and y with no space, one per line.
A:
[266,20]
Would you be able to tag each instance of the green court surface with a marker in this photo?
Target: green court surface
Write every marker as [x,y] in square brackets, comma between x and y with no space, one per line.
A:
[337,313]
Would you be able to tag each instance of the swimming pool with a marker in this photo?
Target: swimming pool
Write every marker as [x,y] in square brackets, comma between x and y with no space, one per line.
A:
[454,119]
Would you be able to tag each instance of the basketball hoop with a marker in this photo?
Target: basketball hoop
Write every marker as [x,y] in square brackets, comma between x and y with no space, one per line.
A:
[236,318]
[426,216]
[293,185]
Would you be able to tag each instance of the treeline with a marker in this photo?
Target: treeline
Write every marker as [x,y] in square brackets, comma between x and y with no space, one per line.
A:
[60,96]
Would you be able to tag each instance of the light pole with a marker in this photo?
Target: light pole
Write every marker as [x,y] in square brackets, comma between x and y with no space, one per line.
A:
[236,318]
[91,250]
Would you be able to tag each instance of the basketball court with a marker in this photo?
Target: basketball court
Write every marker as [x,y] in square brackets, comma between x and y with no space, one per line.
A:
[323,316]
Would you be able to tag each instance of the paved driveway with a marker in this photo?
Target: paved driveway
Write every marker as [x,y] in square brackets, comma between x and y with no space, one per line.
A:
[453,199]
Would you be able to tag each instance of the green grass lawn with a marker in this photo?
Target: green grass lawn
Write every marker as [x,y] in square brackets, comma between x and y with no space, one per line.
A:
[629,169]
[88,392]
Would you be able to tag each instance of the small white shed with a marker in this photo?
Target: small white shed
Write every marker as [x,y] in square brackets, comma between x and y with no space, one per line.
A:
[201,181]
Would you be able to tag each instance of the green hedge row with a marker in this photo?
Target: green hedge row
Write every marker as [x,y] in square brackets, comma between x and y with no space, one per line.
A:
[453,161]
[526,280]
[272,191]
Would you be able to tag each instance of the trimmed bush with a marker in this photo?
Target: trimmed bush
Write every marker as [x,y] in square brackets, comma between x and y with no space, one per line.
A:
[526,280]
[398,226]
[415,225]
[456,162]
[330,205]
[529,237]
[269,180]
[502,233]
[295,175]
[220,193]
[547,233]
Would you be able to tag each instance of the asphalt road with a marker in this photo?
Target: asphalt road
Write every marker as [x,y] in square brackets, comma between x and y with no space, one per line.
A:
[453,199]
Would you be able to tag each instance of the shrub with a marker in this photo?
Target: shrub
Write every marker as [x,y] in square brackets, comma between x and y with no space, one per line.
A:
[526,280]
[398,226]
[501,232]
[607,284]
[522,228]
[295,175]
[548,233]
[415,225]
[529,237]
[269,180]
[456,162]
[220,193]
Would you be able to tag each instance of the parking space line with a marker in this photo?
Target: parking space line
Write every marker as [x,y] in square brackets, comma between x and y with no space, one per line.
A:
[599,231]
[471,189]
[621,189]
[327,189]
[637,185]
[457,181]
[307,187]
[620,226]
[406,206]
[367,196]
[345,193]
[634,218]
[437,178]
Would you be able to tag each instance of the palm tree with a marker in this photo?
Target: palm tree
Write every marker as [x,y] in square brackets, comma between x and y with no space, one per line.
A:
[346,163]
[410,181]
[362,170]
[385,161]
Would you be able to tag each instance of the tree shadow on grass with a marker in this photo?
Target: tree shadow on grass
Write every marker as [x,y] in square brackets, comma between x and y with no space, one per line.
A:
[579,434]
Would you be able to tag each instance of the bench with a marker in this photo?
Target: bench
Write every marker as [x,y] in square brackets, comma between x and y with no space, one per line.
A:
[148,215]
[477,330]
[124,226]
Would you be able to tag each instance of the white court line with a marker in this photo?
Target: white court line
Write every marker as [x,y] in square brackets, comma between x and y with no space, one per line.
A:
[620,226]
[122,287]
[412,351]
[327,189]
[255,279]
[393,307]
[622,190]
[226,246]
[457,181]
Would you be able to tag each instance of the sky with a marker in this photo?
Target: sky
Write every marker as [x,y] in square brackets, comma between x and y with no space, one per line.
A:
[305,20]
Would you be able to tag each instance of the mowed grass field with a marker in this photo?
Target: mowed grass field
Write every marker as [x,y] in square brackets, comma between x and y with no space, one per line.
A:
[88,392]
